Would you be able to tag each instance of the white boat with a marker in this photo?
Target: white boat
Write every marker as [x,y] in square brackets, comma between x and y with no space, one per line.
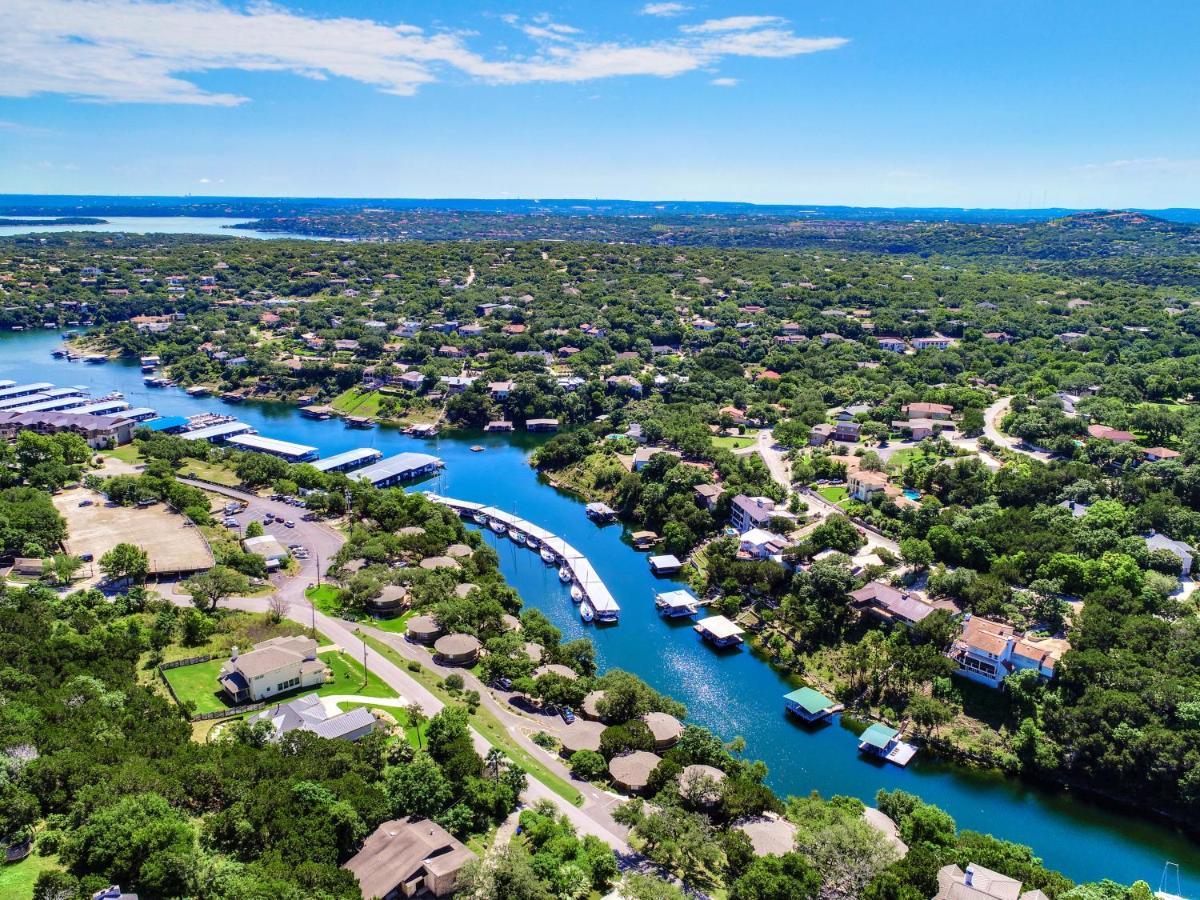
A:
[547,556]
[576,593]
[497,526]
[517,537]
[480,518]
[564,574]
[586,612]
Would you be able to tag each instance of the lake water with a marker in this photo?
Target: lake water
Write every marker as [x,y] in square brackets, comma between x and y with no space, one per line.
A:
[734,693]
[148,225]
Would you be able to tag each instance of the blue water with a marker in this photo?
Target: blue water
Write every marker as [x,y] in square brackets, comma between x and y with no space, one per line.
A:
[734,693]
[912,493]
[148,225]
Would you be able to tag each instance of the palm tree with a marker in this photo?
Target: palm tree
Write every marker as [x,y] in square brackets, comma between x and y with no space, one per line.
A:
[416,718]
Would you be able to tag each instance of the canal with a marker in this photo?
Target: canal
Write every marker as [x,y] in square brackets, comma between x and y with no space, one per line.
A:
[733,693]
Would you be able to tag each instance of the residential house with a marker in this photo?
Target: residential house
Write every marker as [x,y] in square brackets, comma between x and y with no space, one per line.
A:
[891,344]
[308,713]
[407,858]
[889,604]
[746,513]
[1183,552]
[625,382]
[849,432]
[936,342]
[989,651]
[1157,454]
[820,434]
[100,432]
[927,410]
[451,352]
[707,495]
[457,384]
[412,380]
[499,390]
[643,455]
[758,543]
[919,429]
[998,337]
[736,416]
[273,667]
[863,485]
[978,883]
[1104,433]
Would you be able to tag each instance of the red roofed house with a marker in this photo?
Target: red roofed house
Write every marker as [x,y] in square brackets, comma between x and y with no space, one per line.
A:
[988,652]
[1104,433]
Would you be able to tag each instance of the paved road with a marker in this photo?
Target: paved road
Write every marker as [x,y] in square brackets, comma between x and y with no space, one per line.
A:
[774,456]
[991,428]
[594,817]
[822,507]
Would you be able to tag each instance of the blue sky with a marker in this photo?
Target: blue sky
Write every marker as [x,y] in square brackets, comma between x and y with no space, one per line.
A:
[931,102]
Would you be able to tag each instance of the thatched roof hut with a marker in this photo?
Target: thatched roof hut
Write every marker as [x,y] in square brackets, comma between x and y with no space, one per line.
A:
[702,780]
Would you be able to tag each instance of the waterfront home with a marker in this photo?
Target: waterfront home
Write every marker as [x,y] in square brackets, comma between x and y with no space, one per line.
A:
[1181,551]
[758,543]
[888,604]
[631,771]
[664,728]
[810,705]
[499,390]
[273,667]
[677,604]
[746,513]
[770,834]
[863,485]
[100,432]
[308,713]
[978,883]
[457,384]
[541,424]
[987,652]
[643,455]
[719,631]
[884,741]
[406,858]
[665,565]
[412,380]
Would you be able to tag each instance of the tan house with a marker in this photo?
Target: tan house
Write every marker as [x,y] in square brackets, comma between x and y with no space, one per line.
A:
[863,485]
[408,857]
[978,883]
[272,668]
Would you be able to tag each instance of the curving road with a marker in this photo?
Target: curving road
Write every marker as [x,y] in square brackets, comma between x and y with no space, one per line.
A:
[991,428]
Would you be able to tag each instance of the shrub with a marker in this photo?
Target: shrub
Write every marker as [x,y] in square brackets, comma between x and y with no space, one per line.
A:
[633,735]
[587,764]
[453,682]
[544,740]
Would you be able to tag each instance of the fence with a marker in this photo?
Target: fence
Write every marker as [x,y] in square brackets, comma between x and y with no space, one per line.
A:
[201,717]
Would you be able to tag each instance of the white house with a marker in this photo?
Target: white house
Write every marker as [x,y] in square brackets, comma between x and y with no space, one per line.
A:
[273,667]
[746,513]
[759,543]
[988,652]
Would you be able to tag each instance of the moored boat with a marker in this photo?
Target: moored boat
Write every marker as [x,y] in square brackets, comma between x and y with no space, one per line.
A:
[517,537]
[497,526]
[576,593]
[586,612]
[564,574]
[480,518]
[547,556]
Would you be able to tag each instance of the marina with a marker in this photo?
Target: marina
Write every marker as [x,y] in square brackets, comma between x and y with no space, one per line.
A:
[348,460]
[287,450]
[583,577]
[734,693]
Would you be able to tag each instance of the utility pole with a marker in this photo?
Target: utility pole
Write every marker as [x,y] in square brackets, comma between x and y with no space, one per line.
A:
[366,671]
[312,605]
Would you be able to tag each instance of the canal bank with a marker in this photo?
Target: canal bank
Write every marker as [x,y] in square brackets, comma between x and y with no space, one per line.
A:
[734,693]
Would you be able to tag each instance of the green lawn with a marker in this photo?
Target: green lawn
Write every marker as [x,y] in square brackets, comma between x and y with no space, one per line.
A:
[410,733]
[129,453]
[737,442]
[357,402]
[325,598]
[16,880]
[398,625]
[196,468]
[198,682]
[836,495]
[486,724]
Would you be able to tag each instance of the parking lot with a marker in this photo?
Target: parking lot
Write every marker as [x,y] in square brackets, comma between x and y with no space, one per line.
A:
[173,544]
[235,516]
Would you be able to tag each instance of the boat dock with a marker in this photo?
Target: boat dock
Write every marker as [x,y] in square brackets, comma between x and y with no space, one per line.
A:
[348,461]
[884,741]
[594,590]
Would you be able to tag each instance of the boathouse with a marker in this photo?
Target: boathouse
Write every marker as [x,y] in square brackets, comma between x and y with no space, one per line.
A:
[293,453]
[719,631]
[678,603]
[884,741]
[349,460]
[810,705]
[398,468]
[665,565]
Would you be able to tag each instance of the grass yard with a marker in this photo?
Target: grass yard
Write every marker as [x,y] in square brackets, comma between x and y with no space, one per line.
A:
[838,495]
[486,724]
[357,402]
[128,453]
[220,474]
[398,625]
[736,442]
[16,879]
[325,598]
[410,733]
[198,682]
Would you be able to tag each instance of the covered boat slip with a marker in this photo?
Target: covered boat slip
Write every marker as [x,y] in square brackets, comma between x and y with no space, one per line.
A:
[884,741]
[810,705]
[594,590]
[350,459]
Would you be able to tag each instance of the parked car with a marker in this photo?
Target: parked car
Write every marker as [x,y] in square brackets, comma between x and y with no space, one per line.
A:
[86,557]
[568,714]
[504,684]
[85,502]
[289,524]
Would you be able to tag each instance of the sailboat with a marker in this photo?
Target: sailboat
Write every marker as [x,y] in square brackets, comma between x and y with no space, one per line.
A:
[576,593]
[586,612]
[547,556]
[1165,881]
[564,573]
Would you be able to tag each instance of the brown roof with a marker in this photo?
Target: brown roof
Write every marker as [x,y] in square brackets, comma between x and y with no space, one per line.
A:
[664,727]
[555,669]
[424,625]
[582,734]
[457,645]
[272,655]
[632,770]
[401,849]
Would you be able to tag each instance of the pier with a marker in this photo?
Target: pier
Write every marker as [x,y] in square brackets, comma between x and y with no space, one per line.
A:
[594,591]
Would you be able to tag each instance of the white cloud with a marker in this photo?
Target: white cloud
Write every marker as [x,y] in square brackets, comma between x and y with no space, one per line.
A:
[149,51]
[724,82]
[664,9]
[22,129]
[731,23]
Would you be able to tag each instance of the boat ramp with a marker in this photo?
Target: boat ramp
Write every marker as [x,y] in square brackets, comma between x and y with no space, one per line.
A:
[584,576]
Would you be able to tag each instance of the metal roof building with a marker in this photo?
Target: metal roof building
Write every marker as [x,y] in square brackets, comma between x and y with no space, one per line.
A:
[401,467]
[166,423]
[284,449]
[20,390]
[214,433]
[351,459]
[51,405]
[10,402]
[104,407]
[141,413]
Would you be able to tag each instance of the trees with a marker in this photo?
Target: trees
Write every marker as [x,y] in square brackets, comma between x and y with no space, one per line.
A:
[209,588]
[786,877]
[588,764]
[125,562]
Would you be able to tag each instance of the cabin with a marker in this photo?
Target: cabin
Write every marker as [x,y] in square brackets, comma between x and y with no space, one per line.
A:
[809,705]
[886,603]
[719,631]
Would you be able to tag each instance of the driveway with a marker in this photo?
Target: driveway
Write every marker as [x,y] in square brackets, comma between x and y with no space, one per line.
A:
[991,427]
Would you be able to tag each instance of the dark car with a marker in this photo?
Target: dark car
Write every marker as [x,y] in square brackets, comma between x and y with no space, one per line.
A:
[504,684]
[567,714]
